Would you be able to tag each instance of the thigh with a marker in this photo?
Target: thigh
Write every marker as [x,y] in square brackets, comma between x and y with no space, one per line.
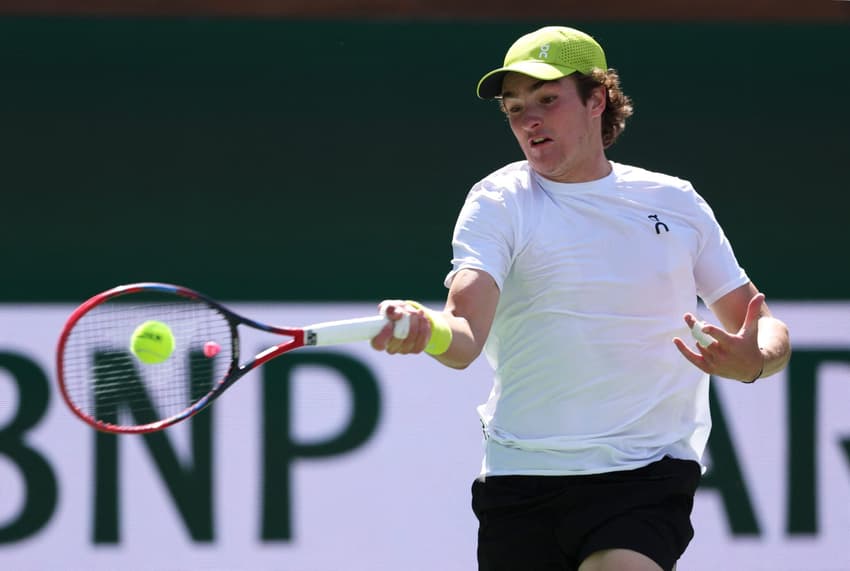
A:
[618,560]
[516,525]
[646,511]
[549,523]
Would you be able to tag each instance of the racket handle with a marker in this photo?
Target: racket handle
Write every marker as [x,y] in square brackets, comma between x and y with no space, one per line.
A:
[351,330]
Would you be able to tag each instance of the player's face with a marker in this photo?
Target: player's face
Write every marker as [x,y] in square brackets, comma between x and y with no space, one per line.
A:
[558,133]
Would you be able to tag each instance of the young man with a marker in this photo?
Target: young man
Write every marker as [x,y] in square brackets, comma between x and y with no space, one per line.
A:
[579,278]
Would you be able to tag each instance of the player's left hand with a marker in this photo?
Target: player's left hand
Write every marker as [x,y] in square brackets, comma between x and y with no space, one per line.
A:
[732,355]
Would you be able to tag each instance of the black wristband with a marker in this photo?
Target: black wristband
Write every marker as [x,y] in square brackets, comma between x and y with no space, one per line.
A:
[761,371]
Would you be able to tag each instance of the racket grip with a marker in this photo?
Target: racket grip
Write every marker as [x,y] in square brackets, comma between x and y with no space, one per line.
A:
[352,330]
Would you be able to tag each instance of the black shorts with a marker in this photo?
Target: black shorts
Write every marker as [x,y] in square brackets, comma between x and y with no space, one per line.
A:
[543,523]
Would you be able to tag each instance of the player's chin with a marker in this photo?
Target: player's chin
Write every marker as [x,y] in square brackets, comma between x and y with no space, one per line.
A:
[543,166]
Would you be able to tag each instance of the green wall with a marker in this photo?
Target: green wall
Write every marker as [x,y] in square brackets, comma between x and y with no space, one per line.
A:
[296,160]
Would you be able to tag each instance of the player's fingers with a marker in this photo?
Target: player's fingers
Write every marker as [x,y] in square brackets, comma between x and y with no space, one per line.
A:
[696,359]
[754,312]
[379,341]
[408,330]
[717,333]
[391,310]
[401,328]
[690,319]
[420,332]
[423,333]
[685,349]
[700,331]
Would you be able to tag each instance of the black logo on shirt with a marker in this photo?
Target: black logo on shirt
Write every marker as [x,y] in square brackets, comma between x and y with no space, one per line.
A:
[658,224]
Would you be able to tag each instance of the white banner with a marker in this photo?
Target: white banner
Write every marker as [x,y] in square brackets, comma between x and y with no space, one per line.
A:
[367,465]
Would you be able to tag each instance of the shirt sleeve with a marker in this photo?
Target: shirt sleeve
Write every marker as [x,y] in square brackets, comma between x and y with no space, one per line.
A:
[483,237]
[716,271]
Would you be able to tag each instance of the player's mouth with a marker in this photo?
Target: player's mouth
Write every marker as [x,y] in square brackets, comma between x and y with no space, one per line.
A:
[537,141]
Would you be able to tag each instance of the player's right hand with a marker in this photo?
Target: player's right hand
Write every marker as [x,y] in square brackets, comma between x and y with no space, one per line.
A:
[419,331]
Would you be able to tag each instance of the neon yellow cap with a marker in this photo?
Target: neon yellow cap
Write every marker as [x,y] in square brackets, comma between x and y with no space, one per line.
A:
[549,53]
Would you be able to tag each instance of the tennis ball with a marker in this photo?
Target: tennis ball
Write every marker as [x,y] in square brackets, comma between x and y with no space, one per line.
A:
[152,342]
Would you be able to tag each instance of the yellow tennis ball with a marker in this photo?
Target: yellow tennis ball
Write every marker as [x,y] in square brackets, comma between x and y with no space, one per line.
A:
[152,342]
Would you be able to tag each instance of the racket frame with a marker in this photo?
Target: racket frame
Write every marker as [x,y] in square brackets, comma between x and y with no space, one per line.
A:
[299,337]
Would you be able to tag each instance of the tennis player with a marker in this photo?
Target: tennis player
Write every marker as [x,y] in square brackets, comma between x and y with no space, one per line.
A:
[579,278]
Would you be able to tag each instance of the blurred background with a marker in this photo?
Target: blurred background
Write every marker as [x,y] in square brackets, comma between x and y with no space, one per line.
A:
[312,156]
[321,150]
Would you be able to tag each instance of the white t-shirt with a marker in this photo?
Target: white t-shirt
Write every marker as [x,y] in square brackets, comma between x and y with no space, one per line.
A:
[594,279]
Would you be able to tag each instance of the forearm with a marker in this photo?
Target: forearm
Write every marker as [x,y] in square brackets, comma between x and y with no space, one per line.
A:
[774,344]
[469,311]
[454,336]
[464,347]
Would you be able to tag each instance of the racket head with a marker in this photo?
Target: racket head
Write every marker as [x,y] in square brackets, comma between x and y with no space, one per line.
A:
[108,387]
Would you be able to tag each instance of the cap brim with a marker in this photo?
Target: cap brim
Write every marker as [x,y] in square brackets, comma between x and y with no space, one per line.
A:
[490,85]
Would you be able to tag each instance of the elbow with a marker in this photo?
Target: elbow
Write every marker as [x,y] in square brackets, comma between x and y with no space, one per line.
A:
[459,360]
[456,364]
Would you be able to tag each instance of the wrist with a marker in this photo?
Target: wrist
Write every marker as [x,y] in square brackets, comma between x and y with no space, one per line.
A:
[761,370]
[441,332]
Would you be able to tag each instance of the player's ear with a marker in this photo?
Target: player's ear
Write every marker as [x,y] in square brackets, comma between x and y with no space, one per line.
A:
[597,101]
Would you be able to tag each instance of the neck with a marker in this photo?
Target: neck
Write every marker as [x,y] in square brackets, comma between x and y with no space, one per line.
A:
[587,171]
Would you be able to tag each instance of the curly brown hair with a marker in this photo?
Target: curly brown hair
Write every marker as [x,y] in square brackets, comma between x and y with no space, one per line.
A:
[618,105]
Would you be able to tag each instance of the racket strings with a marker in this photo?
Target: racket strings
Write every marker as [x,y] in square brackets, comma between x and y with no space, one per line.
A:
[107,382]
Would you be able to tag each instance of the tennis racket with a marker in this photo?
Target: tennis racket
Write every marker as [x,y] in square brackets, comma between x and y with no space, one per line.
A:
[108,386]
